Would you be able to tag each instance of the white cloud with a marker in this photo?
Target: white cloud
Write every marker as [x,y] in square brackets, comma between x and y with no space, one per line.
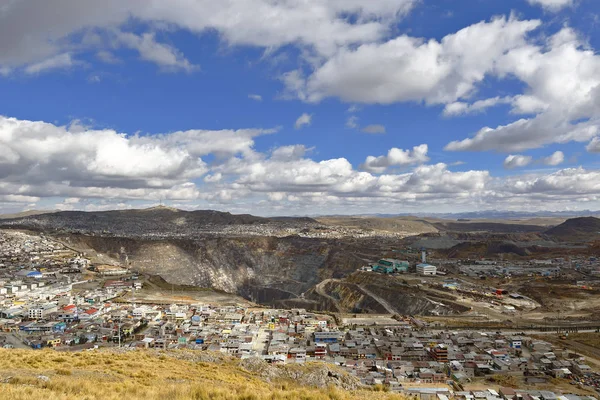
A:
[107,57]
[396,157]
[594,145]
[460,107]
[412,69]
[255,97]
[517,161]
[56,62]
[163,55]
[552,5]
[352,122]
[373,129]
[564,183]
[213,178]
[563,81]
[527,134]
[102,169]
[29,34]
[288,153]
[304,120]
[41,160]
[557,158]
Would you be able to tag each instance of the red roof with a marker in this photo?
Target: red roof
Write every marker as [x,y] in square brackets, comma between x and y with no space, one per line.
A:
[69,307]
[91,311]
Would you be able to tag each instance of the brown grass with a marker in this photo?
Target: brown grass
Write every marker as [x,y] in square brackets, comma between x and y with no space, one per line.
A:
[107,375]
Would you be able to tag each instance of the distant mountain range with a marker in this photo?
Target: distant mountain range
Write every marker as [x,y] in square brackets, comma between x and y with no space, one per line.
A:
[474,215]
[490,214]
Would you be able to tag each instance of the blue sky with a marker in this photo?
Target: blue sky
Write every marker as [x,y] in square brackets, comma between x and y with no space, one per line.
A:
[289,107]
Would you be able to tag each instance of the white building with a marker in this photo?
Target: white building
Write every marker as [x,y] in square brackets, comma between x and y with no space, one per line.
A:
[426,269]
[42,310]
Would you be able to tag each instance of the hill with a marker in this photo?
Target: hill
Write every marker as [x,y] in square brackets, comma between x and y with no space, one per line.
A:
[156,220]
[410,225]
[176,375]
[577,229]
[25,214]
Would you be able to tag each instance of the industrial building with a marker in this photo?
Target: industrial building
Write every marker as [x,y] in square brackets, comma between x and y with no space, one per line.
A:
[111,270]
[426,269]
[389,266]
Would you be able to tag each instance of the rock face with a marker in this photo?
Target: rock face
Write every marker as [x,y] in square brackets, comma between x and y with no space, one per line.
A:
[262,269]
[319,375]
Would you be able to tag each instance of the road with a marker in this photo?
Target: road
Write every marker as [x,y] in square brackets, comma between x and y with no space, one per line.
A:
[13,340]
[388,307]
[320,289]
[261,341]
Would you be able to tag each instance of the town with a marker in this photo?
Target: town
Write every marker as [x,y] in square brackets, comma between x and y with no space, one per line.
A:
[53,297]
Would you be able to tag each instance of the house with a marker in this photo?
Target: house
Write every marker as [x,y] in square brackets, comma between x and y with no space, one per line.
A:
[426,269]
[581,369]
[89,314]
[515,342]
[327,337]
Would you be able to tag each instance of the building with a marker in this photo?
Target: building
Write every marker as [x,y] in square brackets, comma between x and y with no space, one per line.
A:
[42,310]
[426,269]
[440,353]
[389,266]
[111,270]
[327,337]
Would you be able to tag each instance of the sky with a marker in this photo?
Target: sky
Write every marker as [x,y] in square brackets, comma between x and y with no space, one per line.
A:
[300,107]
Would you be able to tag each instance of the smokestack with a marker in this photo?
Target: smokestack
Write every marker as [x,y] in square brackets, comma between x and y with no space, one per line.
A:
[423,257]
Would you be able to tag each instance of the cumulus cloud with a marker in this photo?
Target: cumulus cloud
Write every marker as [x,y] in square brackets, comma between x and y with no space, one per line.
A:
[304,120]
[255,97]
[373,129]
[517,161]
[557,158]
[29,34]
[552,5]
[40,159]
[563,81]
[527,134]
[396,157]
[412,69]
[566,182]
[594,145]
[293,152]
[103,169]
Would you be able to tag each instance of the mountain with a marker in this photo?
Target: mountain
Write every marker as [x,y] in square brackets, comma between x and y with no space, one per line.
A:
[477,215]
[160,221]
[577,229]
[25,214]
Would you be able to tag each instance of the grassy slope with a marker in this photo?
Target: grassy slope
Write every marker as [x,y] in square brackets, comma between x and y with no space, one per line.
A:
[144,375]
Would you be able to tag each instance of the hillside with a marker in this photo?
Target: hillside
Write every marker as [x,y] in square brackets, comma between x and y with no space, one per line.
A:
[162,221]
[577,229]
[177,375]
[411,225]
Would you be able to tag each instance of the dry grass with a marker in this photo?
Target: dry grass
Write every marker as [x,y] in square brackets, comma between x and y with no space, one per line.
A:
[587,338]
[106,375]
